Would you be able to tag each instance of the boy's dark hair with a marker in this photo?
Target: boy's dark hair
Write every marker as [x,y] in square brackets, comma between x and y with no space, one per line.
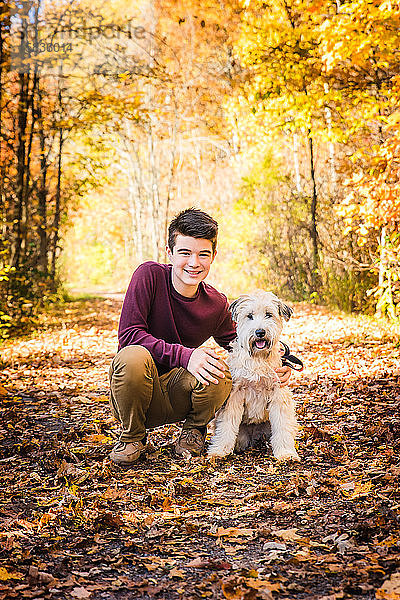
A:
[193,222]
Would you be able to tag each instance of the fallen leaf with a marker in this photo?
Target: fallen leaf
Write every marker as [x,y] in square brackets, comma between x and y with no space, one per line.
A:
[97,438]
[262,584]
[352,490]
[274,546]
[80,592]
[5,575]
[241,588]
[289,535]
[233,532]
[390,590]
[176,573]
[207,563]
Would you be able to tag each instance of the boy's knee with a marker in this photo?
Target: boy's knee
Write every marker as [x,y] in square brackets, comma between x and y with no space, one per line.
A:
[133,361]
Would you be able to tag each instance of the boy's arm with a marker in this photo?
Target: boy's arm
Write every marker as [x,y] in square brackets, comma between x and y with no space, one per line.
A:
[225,331]
[133,324]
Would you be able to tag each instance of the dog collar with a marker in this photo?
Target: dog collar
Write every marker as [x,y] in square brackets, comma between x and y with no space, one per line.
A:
[289,360]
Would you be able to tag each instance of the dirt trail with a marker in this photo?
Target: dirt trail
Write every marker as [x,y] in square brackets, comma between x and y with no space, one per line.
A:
[72,525]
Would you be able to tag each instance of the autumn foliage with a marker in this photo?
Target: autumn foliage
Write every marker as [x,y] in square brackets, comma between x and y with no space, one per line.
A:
[280,118]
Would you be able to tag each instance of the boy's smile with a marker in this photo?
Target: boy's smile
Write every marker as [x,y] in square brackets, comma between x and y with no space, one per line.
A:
[191,260]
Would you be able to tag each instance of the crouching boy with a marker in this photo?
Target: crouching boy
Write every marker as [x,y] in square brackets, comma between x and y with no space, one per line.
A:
[161,373]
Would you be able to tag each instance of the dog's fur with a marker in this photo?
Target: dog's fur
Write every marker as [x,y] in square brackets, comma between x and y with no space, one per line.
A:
[257,405]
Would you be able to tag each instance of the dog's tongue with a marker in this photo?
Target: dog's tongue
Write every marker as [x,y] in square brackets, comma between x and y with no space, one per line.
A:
[260,343]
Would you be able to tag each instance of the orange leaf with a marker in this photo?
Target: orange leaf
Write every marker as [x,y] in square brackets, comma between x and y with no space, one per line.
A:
[234,532]
[390,589]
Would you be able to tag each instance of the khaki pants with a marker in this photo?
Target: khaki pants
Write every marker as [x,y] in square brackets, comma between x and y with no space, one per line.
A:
[141,399]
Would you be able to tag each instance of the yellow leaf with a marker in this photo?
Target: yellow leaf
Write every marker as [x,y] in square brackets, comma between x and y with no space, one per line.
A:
[3,391]
[102,398]
[5,575]
[97,438]
[352,490]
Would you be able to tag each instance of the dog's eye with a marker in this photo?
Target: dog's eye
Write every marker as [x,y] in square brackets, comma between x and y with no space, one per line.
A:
[250,316]
[268,315]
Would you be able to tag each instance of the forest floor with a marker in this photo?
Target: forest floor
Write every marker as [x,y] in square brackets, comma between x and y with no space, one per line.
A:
[73,525]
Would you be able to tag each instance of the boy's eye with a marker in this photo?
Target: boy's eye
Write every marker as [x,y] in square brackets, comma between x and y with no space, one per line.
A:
[250,316]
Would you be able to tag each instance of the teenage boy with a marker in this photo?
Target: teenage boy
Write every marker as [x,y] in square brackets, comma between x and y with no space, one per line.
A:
[161,373]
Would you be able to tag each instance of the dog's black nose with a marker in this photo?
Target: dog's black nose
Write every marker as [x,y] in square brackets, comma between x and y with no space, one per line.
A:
[260,332]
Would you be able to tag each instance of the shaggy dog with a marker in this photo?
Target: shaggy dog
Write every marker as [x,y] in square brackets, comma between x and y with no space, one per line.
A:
[257,405]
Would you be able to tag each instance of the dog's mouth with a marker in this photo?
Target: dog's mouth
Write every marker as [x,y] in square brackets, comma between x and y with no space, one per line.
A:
[261,344]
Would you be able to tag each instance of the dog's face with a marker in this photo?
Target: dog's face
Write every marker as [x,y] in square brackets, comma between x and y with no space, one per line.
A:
[259,320]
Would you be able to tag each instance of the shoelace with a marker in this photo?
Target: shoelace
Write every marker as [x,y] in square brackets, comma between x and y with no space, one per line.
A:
[192,436]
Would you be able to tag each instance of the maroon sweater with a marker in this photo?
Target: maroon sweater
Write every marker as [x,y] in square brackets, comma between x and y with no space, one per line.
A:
[169,325]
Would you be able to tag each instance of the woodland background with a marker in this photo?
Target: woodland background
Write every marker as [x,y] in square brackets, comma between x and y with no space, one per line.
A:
[279,117]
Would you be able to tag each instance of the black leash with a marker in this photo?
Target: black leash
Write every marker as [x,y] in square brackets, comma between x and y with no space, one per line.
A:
[289,360]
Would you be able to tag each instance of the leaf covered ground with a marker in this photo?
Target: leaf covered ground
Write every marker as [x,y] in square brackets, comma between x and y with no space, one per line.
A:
[75,526]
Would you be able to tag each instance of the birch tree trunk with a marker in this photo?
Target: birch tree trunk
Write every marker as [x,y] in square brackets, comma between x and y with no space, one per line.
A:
[155,197]
[171,171]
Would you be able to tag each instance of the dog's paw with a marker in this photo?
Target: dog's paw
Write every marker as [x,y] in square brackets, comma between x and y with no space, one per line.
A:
[286,456]
[218,452]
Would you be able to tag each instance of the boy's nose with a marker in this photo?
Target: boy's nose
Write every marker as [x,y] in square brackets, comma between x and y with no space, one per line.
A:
[193,260]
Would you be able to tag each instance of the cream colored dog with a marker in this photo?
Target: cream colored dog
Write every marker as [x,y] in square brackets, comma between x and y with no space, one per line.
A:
[257,403]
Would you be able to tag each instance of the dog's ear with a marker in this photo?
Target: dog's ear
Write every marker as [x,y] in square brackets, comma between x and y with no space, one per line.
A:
[236,304]
[284,310]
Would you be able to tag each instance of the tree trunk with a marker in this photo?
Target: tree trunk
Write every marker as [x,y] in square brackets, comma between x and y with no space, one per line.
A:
[155,196]
[57,208]
[382,267]
[42,203]
[136,199]
[313,210]
[21,154]
[296,162]
[171,174]
[4,21]
[332,157]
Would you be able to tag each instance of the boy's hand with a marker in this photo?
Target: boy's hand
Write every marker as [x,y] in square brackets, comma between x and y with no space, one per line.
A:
[206,366]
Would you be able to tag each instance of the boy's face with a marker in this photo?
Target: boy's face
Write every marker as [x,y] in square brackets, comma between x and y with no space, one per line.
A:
[191,260]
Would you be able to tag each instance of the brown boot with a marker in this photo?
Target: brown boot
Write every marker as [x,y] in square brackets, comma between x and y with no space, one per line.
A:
[190,441]
[126,453]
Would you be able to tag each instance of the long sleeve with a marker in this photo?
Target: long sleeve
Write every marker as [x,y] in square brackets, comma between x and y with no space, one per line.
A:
[226,330]
[135,327]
